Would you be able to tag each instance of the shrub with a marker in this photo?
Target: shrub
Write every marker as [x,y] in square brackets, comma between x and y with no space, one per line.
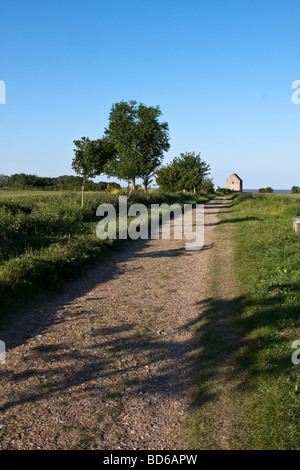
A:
[295,189]
[266,190]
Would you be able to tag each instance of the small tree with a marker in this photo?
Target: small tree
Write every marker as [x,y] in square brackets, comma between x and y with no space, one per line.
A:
[192,169]
[90,158]
[295,189]
[184,173]
[208,185]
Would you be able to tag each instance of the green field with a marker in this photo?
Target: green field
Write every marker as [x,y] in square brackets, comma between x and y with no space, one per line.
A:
[21,194]
[267,257]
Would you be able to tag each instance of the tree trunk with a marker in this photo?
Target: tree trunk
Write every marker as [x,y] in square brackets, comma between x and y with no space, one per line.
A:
[82,191]
[132,187]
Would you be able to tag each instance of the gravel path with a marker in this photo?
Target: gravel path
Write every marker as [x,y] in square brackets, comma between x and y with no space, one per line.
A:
[106,364]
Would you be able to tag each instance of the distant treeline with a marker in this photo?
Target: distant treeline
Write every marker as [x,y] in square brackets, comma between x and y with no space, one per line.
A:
[66,182]
[295,189]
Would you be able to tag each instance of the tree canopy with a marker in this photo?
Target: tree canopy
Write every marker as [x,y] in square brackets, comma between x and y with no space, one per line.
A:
[140,140]
[266,190]
[295,189]
[185,173]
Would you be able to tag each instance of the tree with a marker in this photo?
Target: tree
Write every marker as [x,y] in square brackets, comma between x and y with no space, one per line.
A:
[140,140]
[295,189]
[153,140]
[266,190]
[208,185]
[18,180]
[185,173]
[168,178]
[90,158]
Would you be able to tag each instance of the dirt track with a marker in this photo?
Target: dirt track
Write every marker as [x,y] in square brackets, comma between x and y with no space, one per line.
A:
[106,364]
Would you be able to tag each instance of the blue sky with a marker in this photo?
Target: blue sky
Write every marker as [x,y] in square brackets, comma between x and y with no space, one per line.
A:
[221,72]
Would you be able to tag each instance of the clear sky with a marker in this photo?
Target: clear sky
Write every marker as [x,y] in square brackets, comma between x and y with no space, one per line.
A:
[220,70]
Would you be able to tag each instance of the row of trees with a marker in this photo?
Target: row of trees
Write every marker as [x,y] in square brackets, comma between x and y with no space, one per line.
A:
[65,182]
[132,147]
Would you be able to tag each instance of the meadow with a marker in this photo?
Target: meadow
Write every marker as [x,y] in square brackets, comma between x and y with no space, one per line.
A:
[267,264]
[46,237]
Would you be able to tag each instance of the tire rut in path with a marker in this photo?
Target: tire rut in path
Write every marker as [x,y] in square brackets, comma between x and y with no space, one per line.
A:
[107,363]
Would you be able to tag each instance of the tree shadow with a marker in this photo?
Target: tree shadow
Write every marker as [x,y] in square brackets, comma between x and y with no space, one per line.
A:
[231,221]
[222,338]
[104,359]
[239,219]
[33,317]
[229,335]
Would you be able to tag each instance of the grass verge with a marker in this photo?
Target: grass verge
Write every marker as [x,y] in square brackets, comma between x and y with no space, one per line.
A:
[246,387]
[268,270]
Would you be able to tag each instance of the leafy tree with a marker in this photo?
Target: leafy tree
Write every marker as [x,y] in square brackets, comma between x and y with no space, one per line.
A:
[208,185]
[140,140]
[168,178]
[266,190]
[185,173]
[90,158]
[295,189]
[18,180]
[153,140]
